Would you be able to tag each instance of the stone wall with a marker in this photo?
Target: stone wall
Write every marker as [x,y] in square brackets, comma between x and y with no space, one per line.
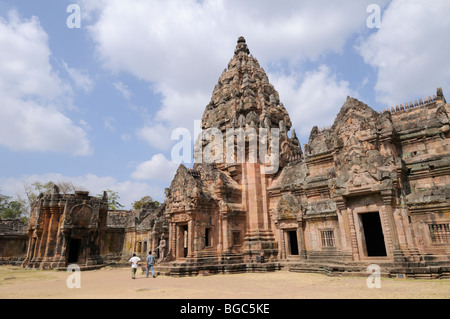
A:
[13,241]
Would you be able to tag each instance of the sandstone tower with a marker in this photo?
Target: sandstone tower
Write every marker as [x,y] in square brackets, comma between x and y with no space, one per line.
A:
[372,188]
[356,196]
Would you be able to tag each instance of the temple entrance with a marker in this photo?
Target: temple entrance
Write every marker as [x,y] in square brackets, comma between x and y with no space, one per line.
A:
[74,250]
[185,241]
[373,234]
[182,239]
[293,242]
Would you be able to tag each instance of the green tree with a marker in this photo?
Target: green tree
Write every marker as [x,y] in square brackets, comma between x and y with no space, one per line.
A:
[113,198]
[4,202]
[35,189]
[146,201]
[13,209]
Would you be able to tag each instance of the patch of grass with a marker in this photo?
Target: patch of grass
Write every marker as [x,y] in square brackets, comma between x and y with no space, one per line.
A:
[11,274]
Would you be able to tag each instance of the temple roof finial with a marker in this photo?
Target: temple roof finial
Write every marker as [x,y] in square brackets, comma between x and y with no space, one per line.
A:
[241,46]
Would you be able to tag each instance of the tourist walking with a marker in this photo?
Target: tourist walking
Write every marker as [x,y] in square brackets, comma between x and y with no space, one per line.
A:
[150,262]
[134,265]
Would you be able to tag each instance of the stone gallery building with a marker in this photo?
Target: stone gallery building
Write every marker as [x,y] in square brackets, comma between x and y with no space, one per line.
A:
[373,188]
[13,241]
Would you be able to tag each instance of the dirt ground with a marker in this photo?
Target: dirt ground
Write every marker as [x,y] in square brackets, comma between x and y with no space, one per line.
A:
[116,283]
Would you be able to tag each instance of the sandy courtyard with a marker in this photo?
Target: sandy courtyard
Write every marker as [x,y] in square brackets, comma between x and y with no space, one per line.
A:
[116,283]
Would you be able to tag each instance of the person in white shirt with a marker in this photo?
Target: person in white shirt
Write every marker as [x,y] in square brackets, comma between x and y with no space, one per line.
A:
[134,265]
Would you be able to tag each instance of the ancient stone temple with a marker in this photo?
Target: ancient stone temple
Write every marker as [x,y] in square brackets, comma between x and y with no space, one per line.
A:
[374,187]
[219,211]
[66,229]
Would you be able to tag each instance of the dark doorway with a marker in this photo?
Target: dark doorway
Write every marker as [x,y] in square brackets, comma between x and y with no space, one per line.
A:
[207,237]
[293,243]
[185,241]
[74,250]
[373,234]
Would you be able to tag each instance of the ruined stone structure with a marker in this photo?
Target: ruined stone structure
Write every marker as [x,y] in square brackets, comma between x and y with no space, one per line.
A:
[66,229]
[78,229]
[372,188]
[137,232]
[13,241]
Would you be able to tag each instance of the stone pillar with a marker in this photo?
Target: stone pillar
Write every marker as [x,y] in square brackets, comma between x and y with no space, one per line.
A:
[44,236]
[259,238]
[173,241]
[52,231]
[283,243]
[348,240]
[301,241]
[265,201]
[254,198]
[220,235]
[226,235]
[62,248]
[37,245]
[280,236]
[190,242]
[391,229]
[29,249]
[353,237]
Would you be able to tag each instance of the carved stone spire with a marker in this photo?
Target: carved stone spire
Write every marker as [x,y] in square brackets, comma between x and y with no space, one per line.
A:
[241,47]
[244,92]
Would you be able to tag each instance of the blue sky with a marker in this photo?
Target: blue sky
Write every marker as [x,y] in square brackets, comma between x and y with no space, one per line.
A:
[96,105]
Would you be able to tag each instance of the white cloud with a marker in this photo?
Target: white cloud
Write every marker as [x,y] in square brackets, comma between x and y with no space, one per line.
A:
[410,50]
[123,90]
[33,96]
[158,168]
[156,135]
[81,78]
[109,123]
[125,137]
[182,46]
[25,125]
[313,99]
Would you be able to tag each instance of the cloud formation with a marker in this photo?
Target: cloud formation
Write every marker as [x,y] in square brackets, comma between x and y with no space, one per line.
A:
[181,47]
[33,95]
[158,168]
[313,98]
[410,50]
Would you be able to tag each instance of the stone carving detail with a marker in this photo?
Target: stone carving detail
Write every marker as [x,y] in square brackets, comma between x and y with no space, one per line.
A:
[81,216]
[359,160]
[244,98]
[288,208]
[442,115]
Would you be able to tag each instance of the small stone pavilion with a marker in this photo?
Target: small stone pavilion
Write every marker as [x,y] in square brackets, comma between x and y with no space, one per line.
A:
[373,188]
[66,229]
[78,229]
